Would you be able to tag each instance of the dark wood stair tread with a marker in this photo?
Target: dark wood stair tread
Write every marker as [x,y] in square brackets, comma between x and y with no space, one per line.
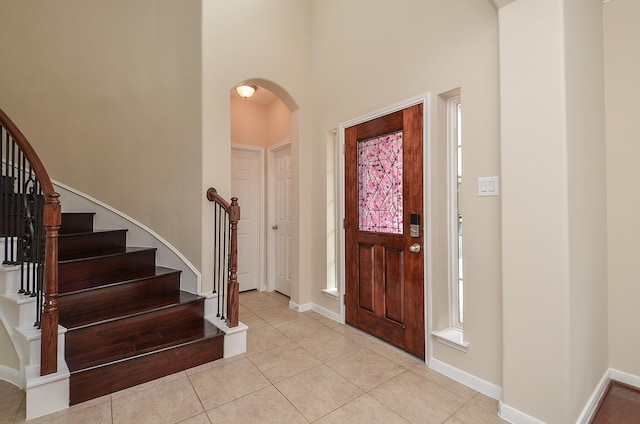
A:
[159,271]
[77,274]
[111,310]
[80,245]
[128,249]
[75,303]
[111,376]
[131,345]
[127,320]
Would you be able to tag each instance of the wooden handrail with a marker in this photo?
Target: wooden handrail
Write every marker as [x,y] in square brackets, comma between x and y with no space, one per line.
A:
[233,287]
[51,221]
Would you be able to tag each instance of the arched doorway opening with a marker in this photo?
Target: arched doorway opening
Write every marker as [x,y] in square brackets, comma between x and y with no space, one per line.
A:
[264,175]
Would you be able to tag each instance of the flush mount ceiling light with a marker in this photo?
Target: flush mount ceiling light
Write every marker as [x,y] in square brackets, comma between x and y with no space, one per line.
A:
[246,91]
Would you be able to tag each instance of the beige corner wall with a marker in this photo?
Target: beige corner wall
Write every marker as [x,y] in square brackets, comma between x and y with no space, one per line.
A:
[585,132]
[553,206]
[622,68]
[108,93]
[366,57]
[256,124]
[278,122]
[270,46]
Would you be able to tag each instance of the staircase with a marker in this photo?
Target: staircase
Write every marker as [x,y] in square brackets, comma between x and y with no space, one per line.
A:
[124,320]
[127,320]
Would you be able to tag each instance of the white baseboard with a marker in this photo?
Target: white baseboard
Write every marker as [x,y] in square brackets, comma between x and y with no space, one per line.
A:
[492,390]
[515,416]
[300,308]
[326,312]
[592,403]
[305,307]
[624,377]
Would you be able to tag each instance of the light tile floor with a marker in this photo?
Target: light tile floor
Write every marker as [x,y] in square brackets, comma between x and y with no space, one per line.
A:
[298,368]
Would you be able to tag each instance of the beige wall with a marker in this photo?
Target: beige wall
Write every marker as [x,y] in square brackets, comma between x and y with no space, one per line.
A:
[366,58]
[585,129]
[534,239]
[109,95]
[270,48]
[135,94]
[553,206]
[622,67]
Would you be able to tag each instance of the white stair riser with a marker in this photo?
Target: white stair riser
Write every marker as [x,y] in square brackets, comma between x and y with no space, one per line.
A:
[10,278]
[19,311]
[29,342]
[11,243]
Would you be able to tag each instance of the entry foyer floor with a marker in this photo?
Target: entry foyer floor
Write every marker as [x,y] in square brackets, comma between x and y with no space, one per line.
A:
[299,368]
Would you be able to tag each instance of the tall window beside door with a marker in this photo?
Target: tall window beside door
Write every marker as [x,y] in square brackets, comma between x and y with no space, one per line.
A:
[451,332]
[333,212]
[456,272]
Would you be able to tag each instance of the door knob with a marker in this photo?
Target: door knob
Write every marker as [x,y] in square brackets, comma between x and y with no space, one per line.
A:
[415,248]
[274,227]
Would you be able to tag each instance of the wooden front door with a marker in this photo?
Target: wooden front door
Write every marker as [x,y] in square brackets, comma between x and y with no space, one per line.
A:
[384,257]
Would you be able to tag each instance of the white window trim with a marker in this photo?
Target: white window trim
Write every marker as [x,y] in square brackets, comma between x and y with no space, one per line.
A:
[333,215]
[331,293]
[452,142]
[453,336]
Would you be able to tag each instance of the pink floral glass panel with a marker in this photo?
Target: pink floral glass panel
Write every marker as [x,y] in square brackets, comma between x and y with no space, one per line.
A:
[380,183]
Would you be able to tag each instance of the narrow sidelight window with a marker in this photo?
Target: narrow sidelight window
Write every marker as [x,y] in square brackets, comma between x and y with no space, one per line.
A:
[456,280]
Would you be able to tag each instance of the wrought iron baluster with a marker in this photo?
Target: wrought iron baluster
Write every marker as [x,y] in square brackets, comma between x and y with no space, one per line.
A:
[226,216]
[4,154]
[222,255]
[13,204]
[216,223]
[26,190]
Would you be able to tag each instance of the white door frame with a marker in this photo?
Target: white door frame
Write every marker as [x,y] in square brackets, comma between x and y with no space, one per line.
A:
[271,211]
[426,176]
[261,208]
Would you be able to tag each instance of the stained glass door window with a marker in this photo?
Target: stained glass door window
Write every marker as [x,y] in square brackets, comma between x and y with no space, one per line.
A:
[380,184]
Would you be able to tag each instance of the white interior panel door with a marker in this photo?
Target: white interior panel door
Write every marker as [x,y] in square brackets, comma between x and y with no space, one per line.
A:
[282,226]
[246,181]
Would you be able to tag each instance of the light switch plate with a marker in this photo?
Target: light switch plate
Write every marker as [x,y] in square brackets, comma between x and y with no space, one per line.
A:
[488,186]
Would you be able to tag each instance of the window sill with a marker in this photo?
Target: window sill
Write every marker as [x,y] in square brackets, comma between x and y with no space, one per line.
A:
[452,337]
[331,293]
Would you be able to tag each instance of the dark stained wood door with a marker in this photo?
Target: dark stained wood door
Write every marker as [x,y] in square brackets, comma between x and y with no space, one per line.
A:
[383,194]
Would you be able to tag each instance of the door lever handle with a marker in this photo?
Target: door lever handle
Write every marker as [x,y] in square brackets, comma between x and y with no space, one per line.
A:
[415,248]
[274,227]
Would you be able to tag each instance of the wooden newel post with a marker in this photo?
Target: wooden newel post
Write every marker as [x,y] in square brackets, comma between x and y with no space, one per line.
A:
[49,321]
[233,293]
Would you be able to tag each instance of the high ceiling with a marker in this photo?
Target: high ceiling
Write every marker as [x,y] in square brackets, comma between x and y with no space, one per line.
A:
[501,3]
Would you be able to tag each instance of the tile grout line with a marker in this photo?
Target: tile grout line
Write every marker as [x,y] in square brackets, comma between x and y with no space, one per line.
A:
[206,413]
